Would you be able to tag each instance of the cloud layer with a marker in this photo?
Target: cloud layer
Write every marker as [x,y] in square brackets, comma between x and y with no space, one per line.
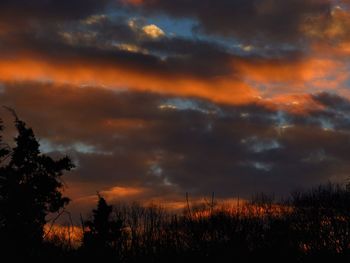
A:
[269,20]
[159,147]
[156,98]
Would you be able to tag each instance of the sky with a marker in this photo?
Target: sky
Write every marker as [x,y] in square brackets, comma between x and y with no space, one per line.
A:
[155,98]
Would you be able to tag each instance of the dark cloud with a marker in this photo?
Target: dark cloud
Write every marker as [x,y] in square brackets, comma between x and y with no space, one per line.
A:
[19,10]
[333,101]
[103,41]
[106,44]
[160,142]
[246,19]
[167,145]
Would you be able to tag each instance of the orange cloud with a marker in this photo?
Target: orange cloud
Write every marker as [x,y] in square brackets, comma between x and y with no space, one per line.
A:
[299,104]
[250,81]
[81,196]
[125,124]
[225,90]
[311,74]
[120,192]
[269,71]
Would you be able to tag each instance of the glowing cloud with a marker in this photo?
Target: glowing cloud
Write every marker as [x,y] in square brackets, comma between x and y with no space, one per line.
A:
[153,31]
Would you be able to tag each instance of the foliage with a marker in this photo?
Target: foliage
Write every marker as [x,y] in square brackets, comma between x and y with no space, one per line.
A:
[102,234]
[30,189]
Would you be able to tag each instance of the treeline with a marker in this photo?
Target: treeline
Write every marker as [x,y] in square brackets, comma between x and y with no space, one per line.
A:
[311,226]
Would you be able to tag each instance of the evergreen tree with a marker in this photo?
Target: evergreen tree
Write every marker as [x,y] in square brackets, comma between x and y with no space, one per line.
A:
[103,234]
[30,189]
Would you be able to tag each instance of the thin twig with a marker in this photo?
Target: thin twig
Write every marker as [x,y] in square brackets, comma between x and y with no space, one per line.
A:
[53,222]
[188,205]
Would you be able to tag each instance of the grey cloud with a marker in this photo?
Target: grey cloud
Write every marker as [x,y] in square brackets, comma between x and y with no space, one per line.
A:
[246,19]
[197,151]
[50,9]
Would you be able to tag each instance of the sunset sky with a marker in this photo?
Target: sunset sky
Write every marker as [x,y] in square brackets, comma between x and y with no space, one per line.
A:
[155,98]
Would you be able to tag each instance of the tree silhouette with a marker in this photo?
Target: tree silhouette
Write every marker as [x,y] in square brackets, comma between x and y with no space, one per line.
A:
[4,149]
[101,238]
[30,189]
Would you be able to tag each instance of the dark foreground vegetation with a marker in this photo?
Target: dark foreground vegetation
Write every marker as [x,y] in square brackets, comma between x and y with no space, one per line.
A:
[311,226]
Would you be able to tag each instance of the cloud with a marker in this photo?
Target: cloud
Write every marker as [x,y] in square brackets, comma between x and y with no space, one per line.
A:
[248,20]
[153,31]
[164,65]
[197,146]
[50,9]
[126,51]
[174,66]
[255,99]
